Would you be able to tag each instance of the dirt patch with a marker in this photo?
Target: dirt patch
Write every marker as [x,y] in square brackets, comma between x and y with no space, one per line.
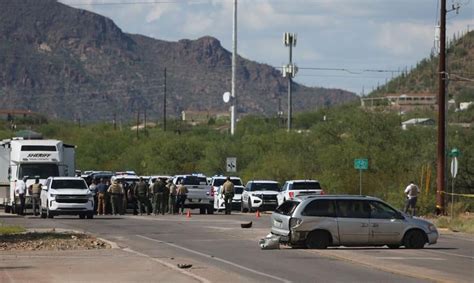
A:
[50,241]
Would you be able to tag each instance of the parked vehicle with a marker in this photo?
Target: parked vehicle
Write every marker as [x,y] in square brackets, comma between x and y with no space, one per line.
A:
[32,159]
[199,192]
[295,188]
[66,196]
[260,195]
[163,178]
[216,192]
[322,221]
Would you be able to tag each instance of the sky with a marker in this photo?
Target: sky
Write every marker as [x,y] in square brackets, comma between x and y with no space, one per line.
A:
[349,44]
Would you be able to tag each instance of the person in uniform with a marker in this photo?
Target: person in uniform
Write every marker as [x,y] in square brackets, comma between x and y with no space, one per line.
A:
[115,191]
[21,191]
[181,195]
[411,192]
[228,193]
[172,198]
[101,189]
[141,194]
[157,189]
[35,192]
[165,199]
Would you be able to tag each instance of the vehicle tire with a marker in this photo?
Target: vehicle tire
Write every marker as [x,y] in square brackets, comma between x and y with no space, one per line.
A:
[242,207]
[42,212]
[414,239]
[82,216]
[250,209]
[7,208]
[394,246]
[90,216]
[49,214]
[210,209]
[317,240]
[202,210]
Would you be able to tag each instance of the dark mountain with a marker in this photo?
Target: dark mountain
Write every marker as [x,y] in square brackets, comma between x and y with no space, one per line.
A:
[70,63]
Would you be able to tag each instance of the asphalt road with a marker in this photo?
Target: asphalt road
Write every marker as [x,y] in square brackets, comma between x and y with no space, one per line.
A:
[219,249]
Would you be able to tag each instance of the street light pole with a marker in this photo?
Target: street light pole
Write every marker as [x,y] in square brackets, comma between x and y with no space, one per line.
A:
[289,71]
[234,62]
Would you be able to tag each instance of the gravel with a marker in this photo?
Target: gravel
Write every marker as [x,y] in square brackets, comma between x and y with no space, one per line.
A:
[52,241]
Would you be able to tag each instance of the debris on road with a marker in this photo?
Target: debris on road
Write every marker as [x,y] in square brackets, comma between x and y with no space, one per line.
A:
[246,225]
[184,265]
[270,242]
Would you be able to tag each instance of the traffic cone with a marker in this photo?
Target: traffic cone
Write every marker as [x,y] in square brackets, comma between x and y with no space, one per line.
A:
[188,214]
[257,214]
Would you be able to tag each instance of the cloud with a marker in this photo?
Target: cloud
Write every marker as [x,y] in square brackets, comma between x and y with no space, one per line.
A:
[158,10]
[404,38]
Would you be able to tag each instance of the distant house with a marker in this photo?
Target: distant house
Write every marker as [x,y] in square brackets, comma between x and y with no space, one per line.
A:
[202,117]
[402,102]
[418,122]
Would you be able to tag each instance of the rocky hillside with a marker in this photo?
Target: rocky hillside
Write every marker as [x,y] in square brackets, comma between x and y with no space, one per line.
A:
[73,64]
[424,77]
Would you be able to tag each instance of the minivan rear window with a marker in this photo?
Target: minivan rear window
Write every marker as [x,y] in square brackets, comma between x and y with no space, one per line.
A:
[287,207]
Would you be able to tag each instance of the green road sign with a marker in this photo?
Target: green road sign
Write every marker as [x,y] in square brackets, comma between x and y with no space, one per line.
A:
[454,152]
[361,164]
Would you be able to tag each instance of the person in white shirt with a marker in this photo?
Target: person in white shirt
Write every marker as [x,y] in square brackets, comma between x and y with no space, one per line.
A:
[21,191]
[411,192]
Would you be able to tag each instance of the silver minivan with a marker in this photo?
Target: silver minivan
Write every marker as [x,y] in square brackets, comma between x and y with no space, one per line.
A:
[320,221]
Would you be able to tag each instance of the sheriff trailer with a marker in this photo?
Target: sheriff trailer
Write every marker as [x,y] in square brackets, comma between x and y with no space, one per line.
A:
[32,159]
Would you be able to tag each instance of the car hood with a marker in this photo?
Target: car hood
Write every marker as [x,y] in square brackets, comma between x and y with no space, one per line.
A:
[69,192]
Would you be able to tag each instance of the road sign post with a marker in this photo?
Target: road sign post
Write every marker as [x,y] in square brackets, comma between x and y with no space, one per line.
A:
[231,164]
[454,172]
[361,164]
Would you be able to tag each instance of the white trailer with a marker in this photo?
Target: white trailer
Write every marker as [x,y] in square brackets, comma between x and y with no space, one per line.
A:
[32,159]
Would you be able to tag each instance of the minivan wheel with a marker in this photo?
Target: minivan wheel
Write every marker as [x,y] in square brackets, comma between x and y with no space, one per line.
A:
[202,210]
[414,239]
[317,240]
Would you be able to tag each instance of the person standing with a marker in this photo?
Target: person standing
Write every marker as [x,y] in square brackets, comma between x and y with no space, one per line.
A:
[181,195]
[115,191]
[157,189]
[93,189]
[131,197]
[21,191]
[228,192]
[35,192]
[172,198]
[165,199]
[101,189]
[411,192]
[141,194]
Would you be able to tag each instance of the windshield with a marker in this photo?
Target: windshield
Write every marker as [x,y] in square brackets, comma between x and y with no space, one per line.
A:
[194,180]
[306,186]
[38,170]
[220,182]
[265,187]
[69,184]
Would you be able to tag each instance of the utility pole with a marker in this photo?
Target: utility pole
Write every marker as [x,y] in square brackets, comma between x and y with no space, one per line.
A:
[138,119]
[234,62]
[441,161]
[164,103]
[290,70]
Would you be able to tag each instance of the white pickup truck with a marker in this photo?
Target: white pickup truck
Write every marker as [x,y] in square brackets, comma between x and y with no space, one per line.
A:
[199,192]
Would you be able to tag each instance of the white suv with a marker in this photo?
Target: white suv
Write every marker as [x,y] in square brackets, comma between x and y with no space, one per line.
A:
[260,195]
[294,188]
[66,196]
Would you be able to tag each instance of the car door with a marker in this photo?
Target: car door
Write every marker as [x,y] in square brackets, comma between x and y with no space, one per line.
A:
[353,217]
[386,224]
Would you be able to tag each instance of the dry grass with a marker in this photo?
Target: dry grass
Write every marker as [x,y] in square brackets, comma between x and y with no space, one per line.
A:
[461,223]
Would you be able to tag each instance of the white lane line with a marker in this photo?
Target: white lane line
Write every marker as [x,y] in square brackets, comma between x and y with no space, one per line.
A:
[451,254]
[408,258]
[217,259]
[199,278]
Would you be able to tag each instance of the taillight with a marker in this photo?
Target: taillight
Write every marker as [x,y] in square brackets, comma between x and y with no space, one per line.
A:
[291,194]
[322,192]
[212,191]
